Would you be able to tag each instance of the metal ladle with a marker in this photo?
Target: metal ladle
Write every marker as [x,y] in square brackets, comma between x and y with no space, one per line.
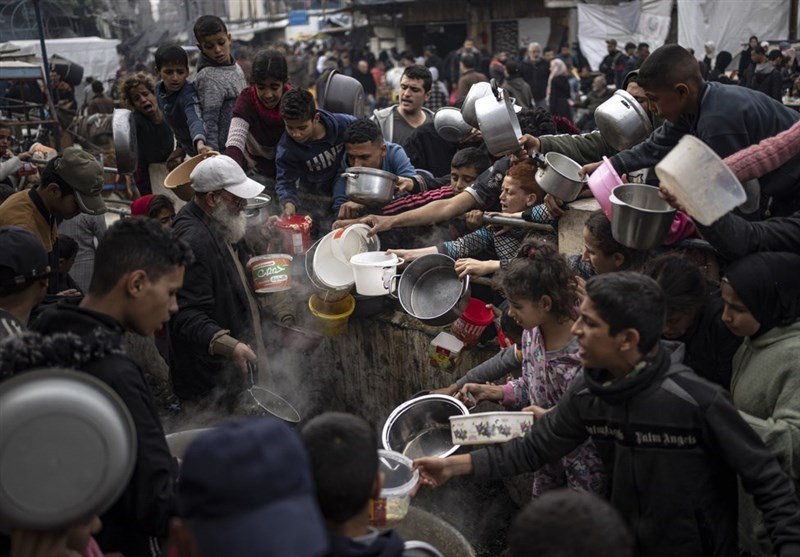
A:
[271,402]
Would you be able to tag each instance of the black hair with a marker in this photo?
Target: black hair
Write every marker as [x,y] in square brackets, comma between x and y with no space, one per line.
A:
[547,49]
[471,156]
[468,60]
[343,453]
[159,203]
[137,243]
[51,176]
[600,228]
[207,25]
[171,54]
[417,71]
[629,300]
[570,523]
[667,66]
[759,50]
[67,247]
[774,55]
[536,121]
[684,287]
[643,45]
[362,131]
[539,270]
[630,45]
[512,68]
[97,86]
[632,77]
[298,104]
[269,63]
[511,329]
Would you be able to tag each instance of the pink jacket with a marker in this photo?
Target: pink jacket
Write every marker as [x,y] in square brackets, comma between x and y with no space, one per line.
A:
[764,157]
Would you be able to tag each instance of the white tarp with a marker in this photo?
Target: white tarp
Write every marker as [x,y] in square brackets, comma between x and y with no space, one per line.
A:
[637,21]
[97,56]
[729,23]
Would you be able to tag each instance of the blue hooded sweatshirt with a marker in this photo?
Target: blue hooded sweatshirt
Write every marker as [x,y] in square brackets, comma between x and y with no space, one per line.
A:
[316,162]
[396,161]
[182,112]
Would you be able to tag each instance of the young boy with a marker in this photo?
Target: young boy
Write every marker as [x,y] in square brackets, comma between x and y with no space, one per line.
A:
[727,118]
[177,99]
[9,163]
[311,150]
[672,443]
[365,147]
[343,452]
[219,78]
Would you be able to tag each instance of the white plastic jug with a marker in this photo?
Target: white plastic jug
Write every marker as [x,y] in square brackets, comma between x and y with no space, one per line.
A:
[373,272]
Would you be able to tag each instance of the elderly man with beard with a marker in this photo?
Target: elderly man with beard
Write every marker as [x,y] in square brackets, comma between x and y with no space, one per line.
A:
[217,330]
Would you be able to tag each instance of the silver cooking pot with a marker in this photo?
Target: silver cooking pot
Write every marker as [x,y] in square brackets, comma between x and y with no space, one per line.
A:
[342,94]
[124,131]
[640,219]
[256,211]
[429,289]
[477,91]
[622,121]
[369,186]
[421,426]
[558,175]
[498,123]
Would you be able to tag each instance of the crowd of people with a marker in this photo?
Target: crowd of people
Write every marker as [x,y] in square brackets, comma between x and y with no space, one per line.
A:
[661,381]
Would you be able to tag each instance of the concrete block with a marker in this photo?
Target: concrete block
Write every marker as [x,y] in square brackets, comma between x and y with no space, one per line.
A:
[570,226]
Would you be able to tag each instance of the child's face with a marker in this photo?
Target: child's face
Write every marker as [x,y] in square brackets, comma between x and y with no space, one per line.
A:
[669,104]
[270,92]
[173,75]
[597,347]
[513,198]
[5,140]
[593,255]
[301,130]
[144,101]
[366,154]
[462,177]
[217,47]
[736,315]
[528,313]
[64,265]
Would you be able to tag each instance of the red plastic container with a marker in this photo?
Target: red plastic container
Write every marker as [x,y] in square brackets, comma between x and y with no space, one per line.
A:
[470,326]
[295,233]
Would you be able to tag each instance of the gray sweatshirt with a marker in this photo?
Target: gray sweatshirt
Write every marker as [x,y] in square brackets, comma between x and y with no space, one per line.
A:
[218,87]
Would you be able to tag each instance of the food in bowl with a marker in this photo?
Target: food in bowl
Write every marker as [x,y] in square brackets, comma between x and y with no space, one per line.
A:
[399,479]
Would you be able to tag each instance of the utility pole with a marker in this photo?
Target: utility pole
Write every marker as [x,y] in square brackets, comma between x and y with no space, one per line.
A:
[793,20]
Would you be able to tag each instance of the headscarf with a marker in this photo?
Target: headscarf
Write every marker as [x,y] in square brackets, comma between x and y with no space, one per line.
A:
[720,65]
[557,68]
[140,207]
[767,284]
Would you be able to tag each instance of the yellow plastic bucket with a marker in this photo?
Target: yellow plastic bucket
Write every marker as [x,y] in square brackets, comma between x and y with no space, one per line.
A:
[330,318]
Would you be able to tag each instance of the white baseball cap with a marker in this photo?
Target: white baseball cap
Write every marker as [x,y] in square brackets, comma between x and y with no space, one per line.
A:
[223,173]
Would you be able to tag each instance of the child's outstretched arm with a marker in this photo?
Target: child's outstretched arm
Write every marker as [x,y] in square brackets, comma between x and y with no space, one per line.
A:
[211,97]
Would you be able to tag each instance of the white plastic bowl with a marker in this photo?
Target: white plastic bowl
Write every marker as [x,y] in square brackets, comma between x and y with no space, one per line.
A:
[398,481]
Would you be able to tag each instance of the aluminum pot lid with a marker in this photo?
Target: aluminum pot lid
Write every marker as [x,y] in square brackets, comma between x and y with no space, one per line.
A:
[67,448]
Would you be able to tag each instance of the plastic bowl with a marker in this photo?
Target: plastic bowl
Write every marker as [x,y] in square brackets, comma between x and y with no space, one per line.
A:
[398,481]
[602,182]
[490,427]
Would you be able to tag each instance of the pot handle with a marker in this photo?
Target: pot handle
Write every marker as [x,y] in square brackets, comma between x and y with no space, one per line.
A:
[539,159]
[393,286]
[349,175]
[466,284]
[495,90]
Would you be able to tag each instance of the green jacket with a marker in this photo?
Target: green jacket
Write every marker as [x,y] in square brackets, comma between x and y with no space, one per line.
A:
[583,149]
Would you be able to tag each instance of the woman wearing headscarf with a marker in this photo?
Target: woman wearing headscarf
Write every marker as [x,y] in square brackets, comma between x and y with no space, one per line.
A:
[720,65]
[744,57]
[762,304]
[558,89]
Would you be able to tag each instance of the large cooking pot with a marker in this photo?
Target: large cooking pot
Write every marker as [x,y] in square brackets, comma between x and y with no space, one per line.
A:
[426,527]
[477,91]
[369,186]
[421,426]
[558,175]
[498,123]
[66,69]
[450,125]
[124,131]
[640,219]
[342,94]
[67,448]
[622,121]
[430,290]
[180,440]
[257,210]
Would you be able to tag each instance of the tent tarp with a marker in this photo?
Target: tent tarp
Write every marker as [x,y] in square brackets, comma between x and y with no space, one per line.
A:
[97,56]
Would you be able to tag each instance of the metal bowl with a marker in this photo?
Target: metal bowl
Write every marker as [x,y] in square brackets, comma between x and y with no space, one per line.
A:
[67,448]
[369,186]
[640,219]
[421,426]
[125,147]
[450,125]
[622,121]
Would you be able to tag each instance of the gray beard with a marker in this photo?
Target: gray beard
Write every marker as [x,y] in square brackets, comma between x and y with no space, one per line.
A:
[229,225]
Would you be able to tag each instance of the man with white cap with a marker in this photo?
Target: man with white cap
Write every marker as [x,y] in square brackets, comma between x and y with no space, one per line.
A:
[217,330]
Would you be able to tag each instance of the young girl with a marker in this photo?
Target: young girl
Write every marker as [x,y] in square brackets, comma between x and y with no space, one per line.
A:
[540,289]
[601,252]
[257,126]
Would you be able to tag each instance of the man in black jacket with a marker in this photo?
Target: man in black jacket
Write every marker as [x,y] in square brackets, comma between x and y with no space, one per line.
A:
[609,63]
[217,329]
[134,285]
[672,442]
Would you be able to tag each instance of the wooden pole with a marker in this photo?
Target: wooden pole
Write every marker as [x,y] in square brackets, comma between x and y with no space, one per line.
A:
[793,20]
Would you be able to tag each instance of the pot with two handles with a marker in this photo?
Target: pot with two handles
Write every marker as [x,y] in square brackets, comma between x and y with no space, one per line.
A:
[558,175]
[369,186]
[498,122]
[430,290]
